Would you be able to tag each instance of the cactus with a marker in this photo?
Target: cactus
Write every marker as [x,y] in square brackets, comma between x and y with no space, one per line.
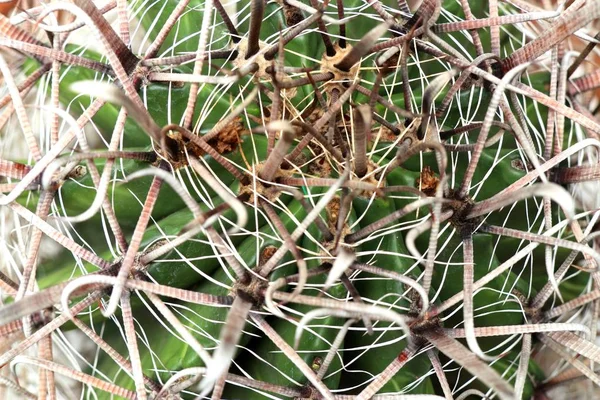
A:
[292,199]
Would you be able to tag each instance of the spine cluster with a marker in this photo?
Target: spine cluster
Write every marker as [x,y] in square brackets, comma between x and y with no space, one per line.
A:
[300,199]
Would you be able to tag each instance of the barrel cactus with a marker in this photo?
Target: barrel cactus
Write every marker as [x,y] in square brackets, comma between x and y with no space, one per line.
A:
[296,199]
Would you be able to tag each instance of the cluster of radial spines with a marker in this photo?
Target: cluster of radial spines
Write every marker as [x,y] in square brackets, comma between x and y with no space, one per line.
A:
[453,204]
